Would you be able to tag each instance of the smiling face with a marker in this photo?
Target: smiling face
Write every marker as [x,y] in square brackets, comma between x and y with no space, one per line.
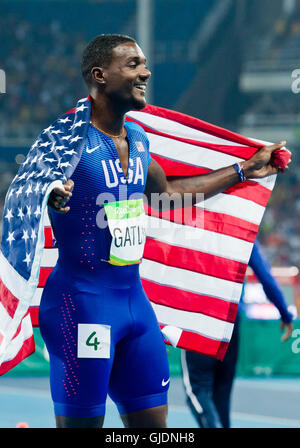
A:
[124,80]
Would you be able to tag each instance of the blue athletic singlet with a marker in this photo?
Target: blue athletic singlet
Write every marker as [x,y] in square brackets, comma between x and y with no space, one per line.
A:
[98,325]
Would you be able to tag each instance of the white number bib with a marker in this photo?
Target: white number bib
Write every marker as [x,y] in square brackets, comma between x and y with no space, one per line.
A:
[127,225]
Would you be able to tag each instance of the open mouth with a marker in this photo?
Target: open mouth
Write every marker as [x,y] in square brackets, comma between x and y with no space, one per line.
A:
[141,87]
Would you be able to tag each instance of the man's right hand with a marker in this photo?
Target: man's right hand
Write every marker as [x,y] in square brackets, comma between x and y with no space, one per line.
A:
[60,196]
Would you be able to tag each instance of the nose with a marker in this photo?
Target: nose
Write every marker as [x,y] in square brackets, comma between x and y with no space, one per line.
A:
[145,74]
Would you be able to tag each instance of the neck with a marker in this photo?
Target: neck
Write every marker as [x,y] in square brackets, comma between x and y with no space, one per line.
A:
[105,115]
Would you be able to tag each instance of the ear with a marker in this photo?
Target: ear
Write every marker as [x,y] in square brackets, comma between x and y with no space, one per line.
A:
[98,75]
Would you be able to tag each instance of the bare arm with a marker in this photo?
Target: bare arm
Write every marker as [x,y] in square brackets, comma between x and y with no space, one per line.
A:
[210,184]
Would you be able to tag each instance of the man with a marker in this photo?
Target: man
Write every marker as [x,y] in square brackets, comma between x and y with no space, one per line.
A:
[95,290]
[208,381]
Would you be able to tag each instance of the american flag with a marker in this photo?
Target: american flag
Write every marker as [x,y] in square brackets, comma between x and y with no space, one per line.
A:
[193,269]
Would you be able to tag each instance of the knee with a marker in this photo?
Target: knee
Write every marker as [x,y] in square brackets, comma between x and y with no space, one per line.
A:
[147,418]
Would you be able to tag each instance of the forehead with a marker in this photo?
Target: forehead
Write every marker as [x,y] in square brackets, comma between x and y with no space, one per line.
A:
[126,51]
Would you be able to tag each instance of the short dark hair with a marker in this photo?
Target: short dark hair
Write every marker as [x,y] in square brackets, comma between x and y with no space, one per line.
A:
[98,52]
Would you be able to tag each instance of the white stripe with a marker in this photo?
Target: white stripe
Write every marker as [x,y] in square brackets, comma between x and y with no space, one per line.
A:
[188,153]
[198,239]
[187,384]
[49,258]
[190,281]
[198,156]
[168,126]
[15,345]
[13,281]
[37,297]
[234,206]
[47,220]
[196,322]
[5,320]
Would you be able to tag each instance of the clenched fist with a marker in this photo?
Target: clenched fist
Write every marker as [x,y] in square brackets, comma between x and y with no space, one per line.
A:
[60,196]
[260,164]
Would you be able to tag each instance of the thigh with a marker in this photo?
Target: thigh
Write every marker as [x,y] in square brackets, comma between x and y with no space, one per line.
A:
[140,374]
[79,334]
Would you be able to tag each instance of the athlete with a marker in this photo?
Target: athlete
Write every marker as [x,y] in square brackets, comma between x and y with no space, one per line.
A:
[98,325]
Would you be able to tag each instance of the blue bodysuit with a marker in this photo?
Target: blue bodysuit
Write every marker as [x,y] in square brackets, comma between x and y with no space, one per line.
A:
[99,327]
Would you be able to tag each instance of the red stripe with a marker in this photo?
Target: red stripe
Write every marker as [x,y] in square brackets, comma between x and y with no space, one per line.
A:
[8,300]
[34,315]
[200,125]
[249,190]
[230,225]
[48,237]
[194,342]
[26,350]
[196,261]
[206,346]
[189,301]
[243,152]
[44,274]
[211,221]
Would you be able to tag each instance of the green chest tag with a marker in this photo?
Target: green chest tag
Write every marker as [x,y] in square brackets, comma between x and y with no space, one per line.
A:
[127,226]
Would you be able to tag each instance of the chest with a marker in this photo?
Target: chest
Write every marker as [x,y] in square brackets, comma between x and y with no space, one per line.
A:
[106,164]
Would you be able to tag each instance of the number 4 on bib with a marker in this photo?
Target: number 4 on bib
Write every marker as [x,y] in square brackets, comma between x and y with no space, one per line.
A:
[93,341]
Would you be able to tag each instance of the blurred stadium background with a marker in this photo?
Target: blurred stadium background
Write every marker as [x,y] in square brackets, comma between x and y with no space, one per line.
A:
[230,62]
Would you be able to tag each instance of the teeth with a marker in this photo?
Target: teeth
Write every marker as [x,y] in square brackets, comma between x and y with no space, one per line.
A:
[141,87]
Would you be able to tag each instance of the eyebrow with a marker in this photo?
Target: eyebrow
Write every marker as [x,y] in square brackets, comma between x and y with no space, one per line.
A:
[136,59]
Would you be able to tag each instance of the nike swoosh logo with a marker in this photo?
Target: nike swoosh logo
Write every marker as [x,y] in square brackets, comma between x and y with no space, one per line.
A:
[164,383]
[92,149]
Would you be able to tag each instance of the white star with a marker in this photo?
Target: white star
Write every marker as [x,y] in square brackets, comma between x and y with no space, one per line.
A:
[75,139]
[27,160]
[38,211]
[37,187]
[47,129]
[10,193]
[64,120]
[65,164]
[10,237]
[49,160]
[33,234]
[69,152]
[27,259]
[59,148]
[23,176]
[57,131]
[9,215]
[41,156]
[20,214]
[31,175]
[45,144]
[28,210]
[36,143]
[19,191]
[29,190]
[66,137]
[40,174]
[78,124]
[25,235]
[44,188]
[81,108]
[33,160]
[48,172]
